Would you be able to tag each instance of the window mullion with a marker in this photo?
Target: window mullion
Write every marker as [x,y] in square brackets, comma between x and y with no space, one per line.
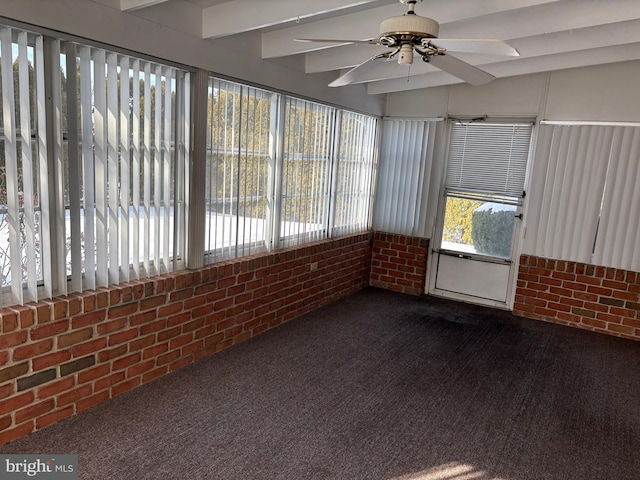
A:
[332,174]
[277,135]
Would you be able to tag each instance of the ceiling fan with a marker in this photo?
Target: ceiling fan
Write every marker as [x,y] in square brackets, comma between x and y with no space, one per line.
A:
[409,33]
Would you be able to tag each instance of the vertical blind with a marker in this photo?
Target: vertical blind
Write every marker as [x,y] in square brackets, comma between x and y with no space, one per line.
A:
[283,171]
[488,157]
[94,155]
[617,244]
[24,194]
[405,176]
[353,183]
[124,149]
[90,164]
[306,169]
[239,169]
[585,204]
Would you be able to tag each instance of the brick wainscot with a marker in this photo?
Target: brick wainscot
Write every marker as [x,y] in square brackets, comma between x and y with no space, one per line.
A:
[62,356]
[399,263]
[605,300]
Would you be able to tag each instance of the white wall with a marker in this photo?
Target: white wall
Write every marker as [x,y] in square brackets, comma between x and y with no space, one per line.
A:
[102,21]
[605,93]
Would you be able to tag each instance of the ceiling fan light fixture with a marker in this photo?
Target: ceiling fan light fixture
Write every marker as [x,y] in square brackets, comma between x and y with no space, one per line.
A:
[405,56]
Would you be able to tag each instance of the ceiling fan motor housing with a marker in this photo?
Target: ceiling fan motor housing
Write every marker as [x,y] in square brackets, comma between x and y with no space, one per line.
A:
[410,25]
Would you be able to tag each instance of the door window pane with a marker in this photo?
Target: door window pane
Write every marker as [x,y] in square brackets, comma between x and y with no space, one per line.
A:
[478,226]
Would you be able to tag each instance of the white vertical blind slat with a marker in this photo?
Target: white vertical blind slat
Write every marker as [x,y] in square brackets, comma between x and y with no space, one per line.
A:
[45,222]
[75,237]
[112,167]
[88,171]
[125,162]
[59,175]
[146,227]
[135,168]
[100,148]
[29,218]
[157,171]
[11,164]
[167,169]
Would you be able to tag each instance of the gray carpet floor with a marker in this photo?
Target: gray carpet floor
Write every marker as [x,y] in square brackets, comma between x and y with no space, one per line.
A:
[377,386]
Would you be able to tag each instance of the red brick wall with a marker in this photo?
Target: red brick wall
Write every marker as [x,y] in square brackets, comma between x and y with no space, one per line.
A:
[63,356]
[605,300]
[399,263]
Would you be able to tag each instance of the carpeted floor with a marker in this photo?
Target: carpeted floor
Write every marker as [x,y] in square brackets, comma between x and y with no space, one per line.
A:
[377,386]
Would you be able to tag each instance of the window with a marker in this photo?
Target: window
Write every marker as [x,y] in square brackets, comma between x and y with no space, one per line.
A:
[94,154]
[239,169]
[23,165]
[484,186]
[282,171]
[123,165]
[306,170]
[354,179]
[94,167]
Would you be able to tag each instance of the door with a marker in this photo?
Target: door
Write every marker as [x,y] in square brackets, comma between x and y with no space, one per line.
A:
[480,213]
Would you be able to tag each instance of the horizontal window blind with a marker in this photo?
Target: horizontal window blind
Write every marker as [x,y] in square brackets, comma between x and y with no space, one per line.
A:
[488,157]
[585,204]
[354,176]
[405,176]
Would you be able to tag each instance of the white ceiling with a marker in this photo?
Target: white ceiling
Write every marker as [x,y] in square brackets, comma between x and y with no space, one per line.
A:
[549,34]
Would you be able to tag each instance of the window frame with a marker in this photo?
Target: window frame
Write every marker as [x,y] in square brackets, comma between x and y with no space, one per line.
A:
[54,144]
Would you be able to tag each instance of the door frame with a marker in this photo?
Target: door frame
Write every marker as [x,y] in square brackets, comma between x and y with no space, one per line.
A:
[433,253]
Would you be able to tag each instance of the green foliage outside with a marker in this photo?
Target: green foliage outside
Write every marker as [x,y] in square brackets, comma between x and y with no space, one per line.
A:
[457,220]
[492,232]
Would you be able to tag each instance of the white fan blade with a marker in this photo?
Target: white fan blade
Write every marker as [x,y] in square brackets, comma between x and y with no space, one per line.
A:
[334,40]
[486,46]
[463,70]
[353,74]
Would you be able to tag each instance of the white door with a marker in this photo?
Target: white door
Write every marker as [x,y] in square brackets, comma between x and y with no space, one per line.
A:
[480,213]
